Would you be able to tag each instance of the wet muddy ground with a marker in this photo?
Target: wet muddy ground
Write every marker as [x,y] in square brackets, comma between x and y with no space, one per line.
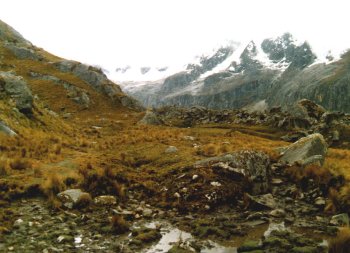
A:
[37,228]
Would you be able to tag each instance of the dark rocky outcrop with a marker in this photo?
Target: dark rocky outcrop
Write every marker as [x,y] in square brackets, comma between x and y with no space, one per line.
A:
[252,165]
[17,88]
[23,52]
[99,81]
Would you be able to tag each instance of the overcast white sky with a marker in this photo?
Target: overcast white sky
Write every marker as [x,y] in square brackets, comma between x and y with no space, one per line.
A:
[115,33]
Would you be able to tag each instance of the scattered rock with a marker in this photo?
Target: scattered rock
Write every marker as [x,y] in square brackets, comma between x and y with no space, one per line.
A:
[6,130]
[216,184]
[253,165]
[278,213]
[18,223]
[340,220]
[147,213]
[171,149]
[23,52]
[150,118]
[307,109]
[320,202]
[305,151]
[105,200]
[194,177]
[276,181]
[262,201]
[177,195]
[189,138]
[74,198]
[17,88]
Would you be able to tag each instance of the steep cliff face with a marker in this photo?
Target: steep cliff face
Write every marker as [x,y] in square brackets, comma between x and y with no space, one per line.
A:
[279,71]
[326,84]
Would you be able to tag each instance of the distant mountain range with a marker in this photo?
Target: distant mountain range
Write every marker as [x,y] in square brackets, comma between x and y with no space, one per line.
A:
[273,72]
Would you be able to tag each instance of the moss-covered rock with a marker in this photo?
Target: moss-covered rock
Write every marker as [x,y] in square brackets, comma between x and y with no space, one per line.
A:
[250,246]
[305,249]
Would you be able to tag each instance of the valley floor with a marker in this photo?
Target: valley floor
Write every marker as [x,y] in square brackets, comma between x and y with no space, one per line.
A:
[164,203]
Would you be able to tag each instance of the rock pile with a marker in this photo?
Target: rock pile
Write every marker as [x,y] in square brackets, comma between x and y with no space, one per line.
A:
[303,118]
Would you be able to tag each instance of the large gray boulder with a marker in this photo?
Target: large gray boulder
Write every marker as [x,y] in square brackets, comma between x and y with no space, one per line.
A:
[252,165]
[74,198]
[23,52]
[93,76]
[150,118]
[16,87]
[307,150]
[305,108]
[99,81]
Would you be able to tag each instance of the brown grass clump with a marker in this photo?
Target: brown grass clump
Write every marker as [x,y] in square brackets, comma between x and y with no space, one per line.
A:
[332,202]
[20,164]
[224,148]
[53,185]
[321,175]
[4,166]
[84,200]
[119,225]
[341,243]
[342,199]
[101,182]
[210,150]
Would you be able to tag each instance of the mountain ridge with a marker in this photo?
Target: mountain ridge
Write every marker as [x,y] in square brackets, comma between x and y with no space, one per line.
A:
[258,72]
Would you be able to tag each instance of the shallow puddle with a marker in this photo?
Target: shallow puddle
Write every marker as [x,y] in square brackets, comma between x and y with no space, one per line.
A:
[169,239]
[173,236]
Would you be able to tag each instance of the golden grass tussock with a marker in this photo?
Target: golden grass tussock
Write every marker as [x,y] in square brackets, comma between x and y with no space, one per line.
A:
[4,166]
[337,160]
[52,185]
[20,164]
[101,182]
[341,243]
[210,150]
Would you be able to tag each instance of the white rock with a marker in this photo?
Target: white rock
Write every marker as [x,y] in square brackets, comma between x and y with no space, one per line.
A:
[18,222]
[177,195]
[171,149]
[320,202]
[60,238]
[147,213]
[216,184]
[189,138]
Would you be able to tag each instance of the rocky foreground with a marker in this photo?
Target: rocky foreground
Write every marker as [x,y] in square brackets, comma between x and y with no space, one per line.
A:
[244,200]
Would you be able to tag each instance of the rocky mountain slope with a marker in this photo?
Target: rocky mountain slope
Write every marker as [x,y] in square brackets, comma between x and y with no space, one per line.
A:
[277,71]
[29,74]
